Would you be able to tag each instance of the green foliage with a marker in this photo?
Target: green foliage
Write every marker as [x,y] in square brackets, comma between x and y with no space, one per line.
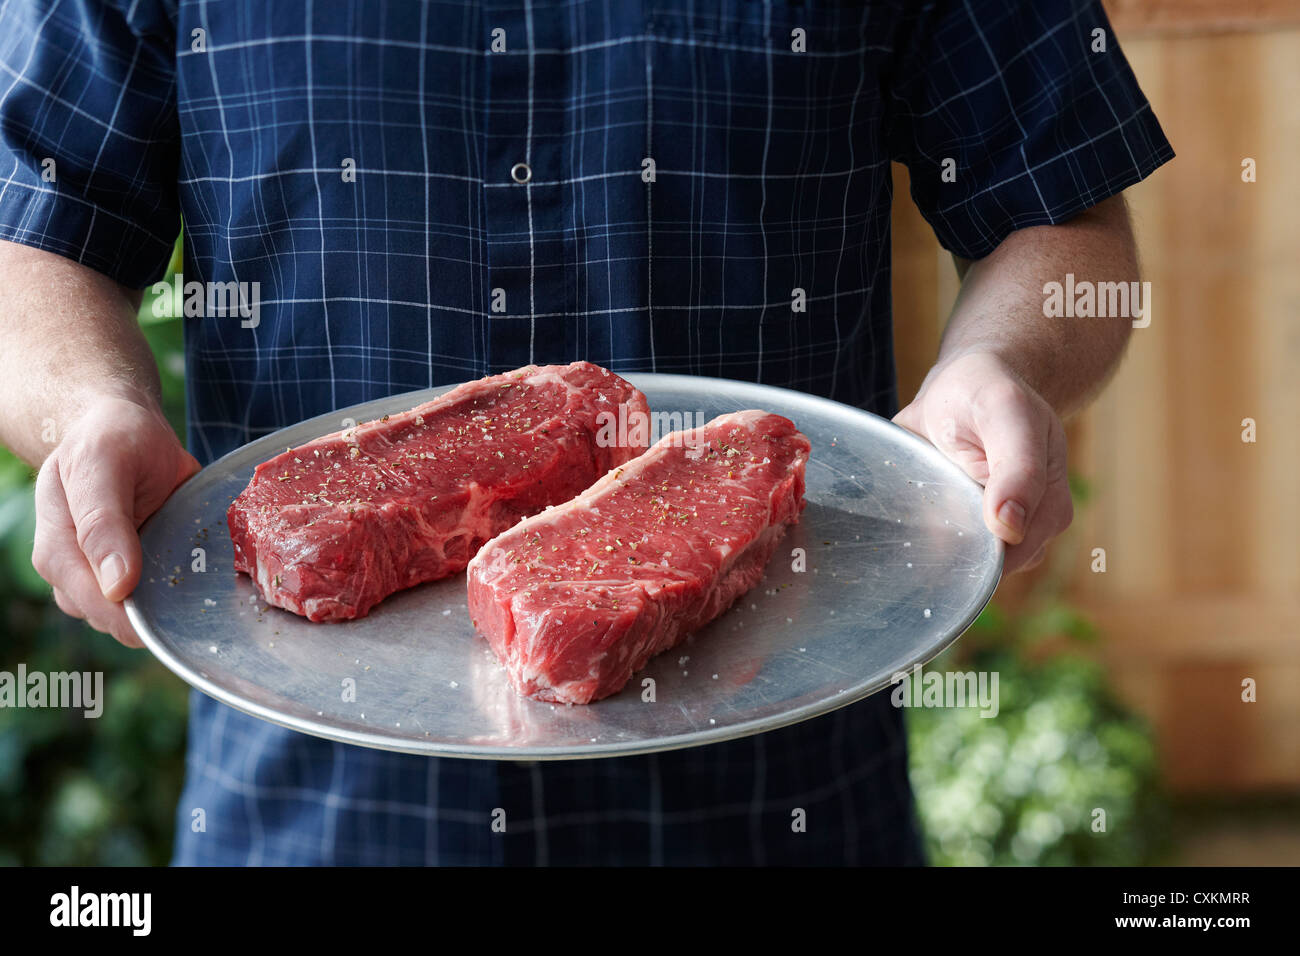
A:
[1022,787]
[77,790]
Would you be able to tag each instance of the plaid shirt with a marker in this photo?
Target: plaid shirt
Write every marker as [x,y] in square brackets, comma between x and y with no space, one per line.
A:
[690,165]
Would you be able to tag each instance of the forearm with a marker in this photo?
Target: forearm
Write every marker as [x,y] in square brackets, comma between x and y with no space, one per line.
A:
[68,335]
[1000,306]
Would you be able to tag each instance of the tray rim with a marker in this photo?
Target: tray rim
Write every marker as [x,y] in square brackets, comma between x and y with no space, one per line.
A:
[696,738]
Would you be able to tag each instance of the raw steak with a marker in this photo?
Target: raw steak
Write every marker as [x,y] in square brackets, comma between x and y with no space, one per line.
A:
[577,598]
[329,529]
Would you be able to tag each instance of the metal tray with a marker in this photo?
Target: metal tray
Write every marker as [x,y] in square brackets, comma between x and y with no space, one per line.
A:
[898,565]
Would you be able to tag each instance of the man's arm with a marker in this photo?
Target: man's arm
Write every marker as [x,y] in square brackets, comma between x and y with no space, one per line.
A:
[81,372]
[70,337]
[1000,305]
[1006,374]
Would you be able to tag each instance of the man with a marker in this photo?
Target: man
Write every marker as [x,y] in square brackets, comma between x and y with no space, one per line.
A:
[427,193]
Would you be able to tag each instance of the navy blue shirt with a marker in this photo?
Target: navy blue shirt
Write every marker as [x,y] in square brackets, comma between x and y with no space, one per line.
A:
[688,167]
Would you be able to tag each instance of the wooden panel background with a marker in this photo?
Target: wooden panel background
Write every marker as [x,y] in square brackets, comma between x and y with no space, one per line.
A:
[1201,530]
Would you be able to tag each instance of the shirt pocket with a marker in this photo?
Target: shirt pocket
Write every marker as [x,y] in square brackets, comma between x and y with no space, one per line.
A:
[825,20]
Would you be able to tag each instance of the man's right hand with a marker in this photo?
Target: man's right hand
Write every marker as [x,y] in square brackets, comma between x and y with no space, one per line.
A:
[115,465]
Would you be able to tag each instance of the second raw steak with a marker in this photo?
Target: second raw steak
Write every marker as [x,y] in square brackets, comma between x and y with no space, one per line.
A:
[576,599]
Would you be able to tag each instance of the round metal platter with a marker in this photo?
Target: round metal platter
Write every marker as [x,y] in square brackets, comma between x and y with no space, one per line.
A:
[889,564]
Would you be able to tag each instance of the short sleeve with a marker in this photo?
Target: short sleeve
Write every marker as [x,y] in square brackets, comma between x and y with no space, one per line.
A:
[89,136]
[1015,113]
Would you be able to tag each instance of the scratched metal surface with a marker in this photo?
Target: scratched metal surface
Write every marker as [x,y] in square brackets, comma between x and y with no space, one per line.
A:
[898,564]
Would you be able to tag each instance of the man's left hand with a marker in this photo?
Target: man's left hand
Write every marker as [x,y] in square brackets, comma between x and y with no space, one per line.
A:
[976,410]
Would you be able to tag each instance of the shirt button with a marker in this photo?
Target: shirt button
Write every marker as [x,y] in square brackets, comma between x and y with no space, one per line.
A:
[521,173]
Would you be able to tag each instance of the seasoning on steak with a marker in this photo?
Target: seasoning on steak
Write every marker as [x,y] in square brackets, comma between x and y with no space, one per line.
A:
[577,598]
[329,529]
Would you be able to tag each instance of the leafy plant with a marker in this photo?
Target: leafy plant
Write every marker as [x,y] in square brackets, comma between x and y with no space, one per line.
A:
[1026,786]
[1029,785]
